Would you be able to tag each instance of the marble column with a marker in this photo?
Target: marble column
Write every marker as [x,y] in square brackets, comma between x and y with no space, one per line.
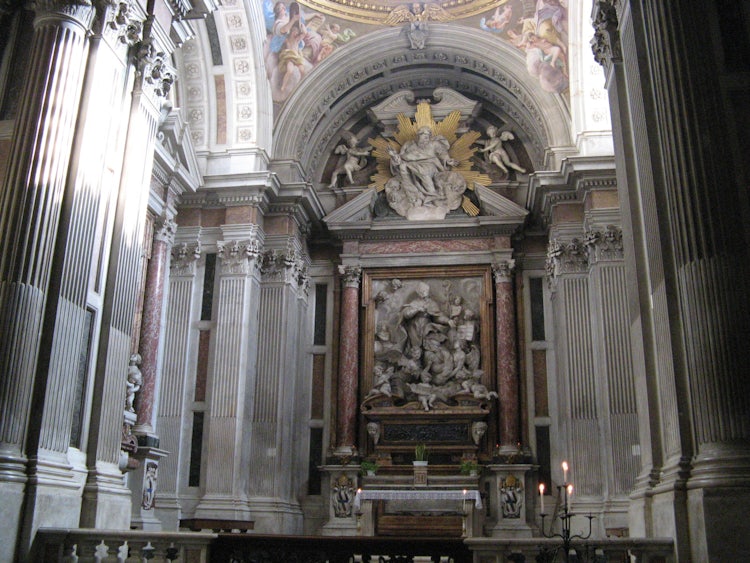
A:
[150,341]
[347,400]
[507,357]
[30,208]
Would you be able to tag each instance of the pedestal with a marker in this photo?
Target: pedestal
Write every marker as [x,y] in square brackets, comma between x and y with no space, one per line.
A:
[511,501]
[340,483]
[143,484]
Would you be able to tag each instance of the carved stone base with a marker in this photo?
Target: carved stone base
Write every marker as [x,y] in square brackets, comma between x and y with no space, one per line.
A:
[512,501]
[142,483]
[340,483]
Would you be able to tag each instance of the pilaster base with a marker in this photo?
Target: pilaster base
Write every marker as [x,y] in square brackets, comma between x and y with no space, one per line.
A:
[12,490]
[106,500]
[512,501]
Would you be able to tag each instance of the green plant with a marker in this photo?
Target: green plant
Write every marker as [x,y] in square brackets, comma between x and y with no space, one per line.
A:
[469,466]
[420,452]
[367,466]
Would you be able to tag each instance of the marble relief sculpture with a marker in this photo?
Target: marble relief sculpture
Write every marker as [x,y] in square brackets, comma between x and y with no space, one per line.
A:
[426,346]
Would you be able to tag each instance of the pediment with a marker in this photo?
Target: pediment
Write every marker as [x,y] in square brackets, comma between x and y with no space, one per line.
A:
[498,215]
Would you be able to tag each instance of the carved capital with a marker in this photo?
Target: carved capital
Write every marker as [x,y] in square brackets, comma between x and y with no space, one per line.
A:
[156,73]
[125,24]
[351,275]
[604,245]
[238,257]
[164,231]
[79,11]
[503,271]
[566,258]
[184,257]
[606,41]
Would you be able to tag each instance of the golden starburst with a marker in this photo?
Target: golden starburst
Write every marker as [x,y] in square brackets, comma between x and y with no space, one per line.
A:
[461,149]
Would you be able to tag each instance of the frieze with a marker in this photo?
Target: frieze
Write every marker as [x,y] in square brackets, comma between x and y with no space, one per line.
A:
[604,245]
[238,257]
[184,258]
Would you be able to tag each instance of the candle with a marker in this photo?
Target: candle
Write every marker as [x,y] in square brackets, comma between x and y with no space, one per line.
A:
[541,495]
[565,471]
[570,491]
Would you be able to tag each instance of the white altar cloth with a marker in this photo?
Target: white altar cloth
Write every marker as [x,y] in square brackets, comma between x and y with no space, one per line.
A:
[426,494]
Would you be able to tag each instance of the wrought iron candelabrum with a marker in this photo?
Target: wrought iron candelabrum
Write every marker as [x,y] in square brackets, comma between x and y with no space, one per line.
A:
[566,489]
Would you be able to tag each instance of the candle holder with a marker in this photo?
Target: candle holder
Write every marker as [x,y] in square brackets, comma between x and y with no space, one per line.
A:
[549,555]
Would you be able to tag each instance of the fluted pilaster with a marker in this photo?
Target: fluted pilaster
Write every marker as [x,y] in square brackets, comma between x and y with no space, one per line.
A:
[30,211]
[231,375]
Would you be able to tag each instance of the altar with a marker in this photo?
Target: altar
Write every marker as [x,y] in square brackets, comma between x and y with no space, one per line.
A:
[425,512]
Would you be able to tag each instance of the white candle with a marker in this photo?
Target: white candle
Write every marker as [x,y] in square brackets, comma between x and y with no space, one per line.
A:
[541,495]
[570,491]
[565,471]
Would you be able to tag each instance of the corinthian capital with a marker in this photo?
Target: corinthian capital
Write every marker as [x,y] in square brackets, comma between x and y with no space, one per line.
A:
[237,256]
[351,275]
[503,270]
[164,231]
[606,42]
[79,11]
[155,71]
[566,258]
[604,245]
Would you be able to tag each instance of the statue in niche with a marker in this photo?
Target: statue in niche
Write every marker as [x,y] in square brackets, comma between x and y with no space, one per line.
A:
[422,175]
[342,496]
[426,346]
[373,430]
[352,159]
[134,381]
[496,154]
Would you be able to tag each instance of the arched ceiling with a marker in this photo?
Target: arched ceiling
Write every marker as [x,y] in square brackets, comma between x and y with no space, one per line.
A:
[229,104]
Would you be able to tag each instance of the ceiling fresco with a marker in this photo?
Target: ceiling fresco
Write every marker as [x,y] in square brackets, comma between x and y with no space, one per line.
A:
[302,34]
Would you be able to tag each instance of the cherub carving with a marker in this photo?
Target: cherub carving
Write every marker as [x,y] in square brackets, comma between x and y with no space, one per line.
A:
[418,14]
[352,159]
[496,154]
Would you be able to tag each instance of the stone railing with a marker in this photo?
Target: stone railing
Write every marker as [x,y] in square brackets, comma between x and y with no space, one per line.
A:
[613,550]
[130,546]
[121,546]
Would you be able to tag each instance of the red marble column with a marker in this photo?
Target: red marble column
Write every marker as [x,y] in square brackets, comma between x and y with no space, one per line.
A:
[507,361]
[348,361]
[153,303]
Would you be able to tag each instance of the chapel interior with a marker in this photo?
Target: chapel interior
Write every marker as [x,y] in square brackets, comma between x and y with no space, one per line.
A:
[343,270]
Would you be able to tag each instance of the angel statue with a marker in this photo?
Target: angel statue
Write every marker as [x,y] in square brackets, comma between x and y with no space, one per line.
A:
[496,154]
[352,159]
[417,15]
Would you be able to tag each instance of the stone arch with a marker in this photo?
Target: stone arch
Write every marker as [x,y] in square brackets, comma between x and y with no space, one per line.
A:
[341,88]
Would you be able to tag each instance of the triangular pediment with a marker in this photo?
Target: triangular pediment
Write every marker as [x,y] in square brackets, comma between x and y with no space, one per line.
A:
[498,215]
